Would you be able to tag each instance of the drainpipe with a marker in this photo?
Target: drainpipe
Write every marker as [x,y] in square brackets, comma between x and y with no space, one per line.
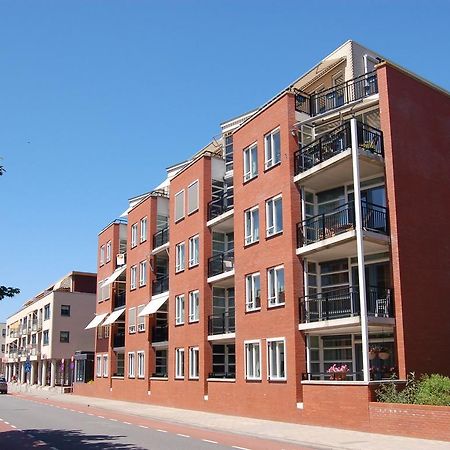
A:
[360,252]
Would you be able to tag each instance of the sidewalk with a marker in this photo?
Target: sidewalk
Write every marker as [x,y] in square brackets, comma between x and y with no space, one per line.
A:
[302,435]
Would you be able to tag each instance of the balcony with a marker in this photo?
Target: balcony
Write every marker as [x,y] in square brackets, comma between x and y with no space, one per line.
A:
[161,238]
[119,340]
[220,205]
[344,303]
[221,263]
[224,323]
[160,334]
[160,285]
[119,299]
[323,102]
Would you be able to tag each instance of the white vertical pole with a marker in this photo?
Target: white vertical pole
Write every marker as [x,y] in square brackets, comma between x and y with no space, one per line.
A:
[360,252]
[52,372]
[44,372]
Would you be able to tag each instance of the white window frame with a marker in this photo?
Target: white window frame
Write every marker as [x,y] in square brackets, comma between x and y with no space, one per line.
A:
[194,363]
[102,255]
[194,306]
[142,273]
[195,207]
[98,366]
[180,257]
[132,320]
[105,365]
[143,230]
[249,154]
[269,153]
[272,346]
[254,234]
[131,365]
[134,229]
[179,309]
[178,218]
[252,364]
[251,292]
[133,270]
[194,251]
[140,356]
[140,319]
[179,363]
[108,251]
[272,277]
[271,216]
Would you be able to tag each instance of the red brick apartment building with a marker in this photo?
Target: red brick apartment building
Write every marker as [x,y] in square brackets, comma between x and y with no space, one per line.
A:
[310,235]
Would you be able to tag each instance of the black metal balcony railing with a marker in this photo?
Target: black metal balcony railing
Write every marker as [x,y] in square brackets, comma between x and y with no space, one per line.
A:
[160,285]
[220,205]
[161,237]
[223,262]
[344,302]
[160,333]
[222,375]
[160,374]
[222,323]
[119,340]
[335,142]
[119,299]
[349,376]
[340,220]
[336,96]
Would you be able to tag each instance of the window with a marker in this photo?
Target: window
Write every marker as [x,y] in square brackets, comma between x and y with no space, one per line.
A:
[98,365]
[142,273]
[276,361]
[132,320]
[179,309]
[160,363]
[134,228]
[45,337]
[65,310]
[193,251]
[179,363]
[180,257]
[133,277]
[252,360]
[275,286]
[143,236]
[193,197]
[64,336]
[140,319]
[131,365]
[274,216]
[252,292]
[193,363]
[105,365]
[250,162]
[102,255]
[251,225]
[194,306]
[105,331]
[179,205]
[272,148]
[108,251]
[141,364]
[47,312]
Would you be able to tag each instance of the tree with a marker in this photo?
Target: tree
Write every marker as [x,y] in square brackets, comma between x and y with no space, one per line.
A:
[8,292]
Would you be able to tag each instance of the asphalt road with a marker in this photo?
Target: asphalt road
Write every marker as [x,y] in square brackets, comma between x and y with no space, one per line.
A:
[27,423]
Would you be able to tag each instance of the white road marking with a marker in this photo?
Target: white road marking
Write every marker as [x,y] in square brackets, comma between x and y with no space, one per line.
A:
[90,414]
[240,448]
[13,426]
[112,420]
[7,423]
[182,435]
[100,417]
[211,442]
[162,431]
[143,426]
[127,423]
[1,420]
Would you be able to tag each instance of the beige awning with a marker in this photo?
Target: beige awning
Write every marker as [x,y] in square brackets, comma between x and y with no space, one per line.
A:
[153,306]
[116,274]
[114,316]
[96,321]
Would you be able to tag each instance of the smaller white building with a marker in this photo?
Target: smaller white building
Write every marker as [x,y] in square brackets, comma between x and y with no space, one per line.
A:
[2,349]
[42,338]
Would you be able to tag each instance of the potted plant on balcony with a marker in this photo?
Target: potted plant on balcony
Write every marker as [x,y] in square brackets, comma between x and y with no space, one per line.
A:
[383,353]
[373,352]
[338,373]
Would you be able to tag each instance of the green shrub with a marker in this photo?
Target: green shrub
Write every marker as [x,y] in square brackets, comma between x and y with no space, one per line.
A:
[391,393]
[433,390]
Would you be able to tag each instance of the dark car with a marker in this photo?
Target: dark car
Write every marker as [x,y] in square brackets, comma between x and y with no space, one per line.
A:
[3,386]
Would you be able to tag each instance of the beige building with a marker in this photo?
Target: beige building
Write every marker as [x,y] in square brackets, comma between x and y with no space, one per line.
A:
[2,348]
[44,335]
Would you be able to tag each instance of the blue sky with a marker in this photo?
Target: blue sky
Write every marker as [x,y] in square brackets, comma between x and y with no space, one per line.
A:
[98,97]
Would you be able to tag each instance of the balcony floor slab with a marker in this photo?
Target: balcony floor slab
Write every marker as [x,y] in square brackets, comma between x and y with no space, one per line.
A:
[224,279]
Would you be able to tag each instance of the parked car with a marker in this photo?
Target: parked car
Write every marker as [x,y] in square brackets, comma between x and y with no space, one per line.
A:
[3,386]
